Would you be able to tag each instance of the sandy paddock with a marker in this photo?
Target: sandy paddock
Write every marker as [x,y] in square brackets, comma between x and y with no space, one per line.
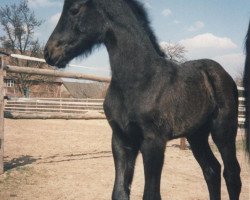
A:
[71,159]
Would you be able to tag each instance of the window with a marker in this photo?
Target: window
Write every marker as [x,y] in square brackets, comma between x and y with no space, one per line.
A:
[10,83]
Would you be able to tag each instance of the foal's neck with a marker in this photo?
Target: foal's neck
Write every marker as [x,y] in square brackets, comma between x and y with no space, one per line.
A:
[131,54]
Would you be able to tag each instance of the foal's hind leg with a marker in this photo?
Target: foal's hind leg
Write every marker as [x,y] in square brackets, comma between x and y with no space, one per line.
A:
[224,134]
[210,166]
[152,150]
[124,154]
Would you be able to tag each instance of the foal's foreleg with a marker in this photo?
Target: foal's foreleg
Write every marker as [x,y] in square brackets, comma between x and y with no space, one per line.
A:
[153,157]
[124,154]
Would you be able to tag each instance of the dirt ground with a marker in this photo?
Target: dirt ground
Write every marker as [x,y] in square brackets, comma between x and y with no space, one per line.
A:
[72,160]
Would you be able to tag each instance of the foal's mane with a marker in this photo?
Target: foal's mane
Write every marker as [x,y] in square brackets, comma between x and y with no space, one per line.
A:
[141,15]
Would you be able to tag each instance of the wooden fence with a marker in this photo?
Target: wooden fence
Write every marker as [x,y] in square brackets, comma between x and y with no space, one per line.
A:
[70,108]
[242,108]
[36,106]
[54,108]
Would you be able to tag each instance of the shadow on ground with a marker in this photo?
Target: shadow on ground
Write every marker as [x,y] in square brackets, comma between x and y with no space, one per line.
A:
[26,160]
[19,162]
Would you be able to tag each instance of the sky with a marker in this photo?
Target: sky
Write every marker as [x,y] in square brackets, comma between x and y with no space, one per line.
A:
[213,29]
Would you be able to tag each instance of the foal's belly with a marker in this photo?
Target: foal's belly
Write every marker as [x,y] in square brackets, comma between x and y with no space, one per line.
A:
[187,114]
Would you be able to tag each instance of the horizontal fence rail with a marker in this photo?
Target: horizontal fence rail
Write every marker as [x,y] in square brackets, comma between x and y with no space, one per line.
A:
[55,73]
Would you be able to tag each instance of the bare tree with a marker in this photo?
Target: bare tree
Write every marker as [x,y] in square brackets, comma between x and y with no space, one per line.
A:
[19,23]
[175,51]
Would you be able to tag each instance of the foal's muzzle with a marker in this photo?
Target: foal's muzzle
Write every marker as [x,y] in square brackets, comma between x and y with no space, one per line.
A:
[54,54]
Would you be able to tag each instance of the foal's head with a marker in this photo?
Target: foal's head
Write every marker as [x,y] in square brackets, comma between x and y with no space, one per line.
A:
[85,23]
[80,27]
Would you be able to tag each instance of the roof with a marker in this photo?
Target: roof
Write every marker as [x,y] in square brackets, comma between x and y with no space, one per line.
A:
[86,90]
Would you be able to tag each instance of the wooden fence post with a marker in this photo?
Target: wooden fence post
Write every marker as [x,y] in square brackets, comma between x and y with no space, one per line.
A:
[183,144]
[1,116]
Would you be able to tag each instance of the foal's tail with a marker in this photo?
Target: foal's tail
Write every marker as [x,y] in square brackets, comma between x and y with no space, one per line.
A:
[246,81]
